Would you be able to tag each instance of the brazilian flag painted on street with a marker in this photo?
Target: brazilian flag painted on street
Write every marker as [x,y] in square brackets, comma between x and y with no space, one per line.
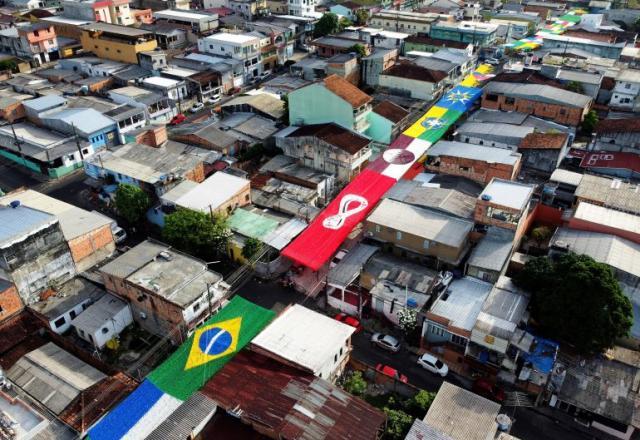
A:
[186,371]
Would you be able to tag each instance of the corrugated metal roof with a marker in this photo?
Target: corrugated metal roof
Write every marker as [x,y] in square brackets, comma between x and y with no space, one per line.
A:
[462,415]
[462,302]
[617,252]
[495,131]
[53,376]
[196,411]
[99,313]
[564,176]
[503,310]
[430,225]
[213,192]
[289,403]
[474,152]
[608,217]
[134,259]
[494,250]
[347,270]
[611,193]
[283,235]
[421,431]
[304,337]
[74,221]
[540,93]
[18,223]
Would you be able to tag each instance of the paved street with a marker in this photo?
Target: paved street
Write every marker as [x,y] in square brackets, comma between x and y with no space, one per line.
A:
[531,423]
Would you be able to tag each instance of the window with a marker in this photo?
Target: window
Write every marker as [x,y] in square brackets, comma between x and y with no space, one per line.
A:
[71,157]
[562,111]
[50,41]
[335,358]
[458,340]
[377,228]
[85,151]
[59,322]
[425,244]
[436,330]
[509,101]
[398,235]
[627,86]
[196,307]
[104,330]
[73,314]
[491,97]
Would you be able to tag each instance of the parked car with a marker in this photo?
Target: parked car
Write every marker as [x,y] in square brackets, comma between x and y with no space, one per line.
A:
[386,342]
[338,257]
[433,364]
[349,320]
[119,234]
[177,119]
[265,74]
[196,107]
[492,61]
[213,99]
[391,372]
[485,388]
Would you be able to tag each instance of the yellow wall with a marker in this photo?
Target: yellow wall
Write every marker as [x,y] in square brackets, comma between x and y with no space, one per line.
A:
[112,50]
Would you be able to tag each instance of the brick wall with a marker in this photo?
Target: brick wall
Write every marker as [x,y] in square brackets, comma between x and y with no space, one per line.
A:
[91,248]
[154,137]
[10,302]
[558,113]
[13,112]
[479,171]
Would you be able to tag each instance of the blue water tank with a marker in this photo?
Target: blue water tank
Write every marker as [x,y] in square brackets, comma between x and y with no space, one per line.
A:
[412,303]
[14,204]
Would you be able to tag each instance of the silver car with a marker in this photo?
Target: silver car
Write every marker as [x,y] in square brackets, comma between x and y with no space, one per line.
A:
[386,342]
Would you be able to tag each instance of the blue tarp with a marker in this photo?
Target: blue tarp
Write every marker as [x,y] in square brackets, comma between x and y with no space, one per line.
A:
[460,98]
[543,355]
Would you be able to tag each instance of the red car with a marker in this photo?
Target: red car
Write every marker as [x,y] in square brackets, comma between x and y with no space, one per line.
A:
[485,388]
[177,119]
[349,320]
[391,372]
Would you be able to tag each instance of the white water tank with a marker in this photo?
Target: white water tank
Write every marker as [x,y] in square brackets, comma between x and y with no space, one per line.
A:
[504,422]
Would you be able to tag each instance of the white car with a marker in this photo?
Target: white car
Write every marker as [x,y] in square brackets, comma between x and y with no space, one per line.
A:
[213,99]
[386,342]
[338,258]
[492,61]
[433,364]
[196,107]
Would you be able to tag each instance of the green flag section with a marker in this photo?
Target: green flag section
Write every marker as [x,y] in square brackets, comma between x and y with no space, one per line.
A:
[436,127]
[210,347]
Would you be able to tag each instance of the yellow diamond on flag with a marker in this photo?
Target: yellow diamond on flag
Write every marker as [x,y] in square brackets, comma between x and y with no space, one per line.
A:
[213,341]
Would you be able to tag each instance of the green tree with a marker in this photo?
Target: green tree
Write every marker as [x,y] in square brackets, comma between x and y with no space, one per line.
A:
[344,22]
[131,202]
[328,24]
[419,404]
[541,234]
[359,49]
[196,233]
[285,116]
[575,86]
[398,424]
[362,17]
[251,247]
[589,122]
[355,384]
[577,300]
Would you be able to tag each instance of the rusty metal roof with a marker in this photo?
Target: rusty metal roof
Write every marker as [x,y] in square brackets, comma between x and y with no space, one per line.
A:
[289,403]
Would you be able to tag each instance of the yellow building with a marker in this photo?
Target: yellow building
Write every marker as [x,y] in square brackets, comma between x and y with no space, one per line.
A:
[117,43]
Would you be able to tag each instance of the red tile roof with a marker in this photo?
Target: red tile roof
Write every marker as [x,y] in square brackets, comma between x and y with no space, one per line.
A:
[608,83]
[335,135]
[346,91]
[269,394]
[630,125]
[14,331]
[412,71]
[546,141]
[391,111]
[614,160]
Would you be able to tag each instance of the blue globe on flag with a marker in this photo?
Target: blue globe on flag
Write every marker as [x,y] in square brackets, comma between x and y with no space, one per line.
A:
[215,341]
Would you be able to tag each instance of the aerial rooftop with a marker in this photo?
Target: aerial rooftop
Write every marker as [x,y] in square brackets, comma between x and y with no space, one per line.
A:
[507,193]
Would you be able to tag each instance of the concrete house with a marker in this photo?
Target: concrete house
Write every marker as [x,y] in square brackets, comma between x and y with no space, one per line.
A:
[117,43]
[618,135]
[332,99]
[327,147]
[34,254]
[87,234]
[37,42]
[414,81]
[372,66]
[490,258]
[561,106]
[243,47]
[170,293]
[386,121]
[505,204]
[307,340]
[419,233]
[476,162]
[68,302]
[103,320]
[626,92]
[543,152]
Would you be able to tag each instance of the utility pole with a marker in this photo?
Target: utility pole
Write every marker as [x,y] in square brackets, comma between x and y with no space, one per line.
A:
[75,136]
[18,144]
